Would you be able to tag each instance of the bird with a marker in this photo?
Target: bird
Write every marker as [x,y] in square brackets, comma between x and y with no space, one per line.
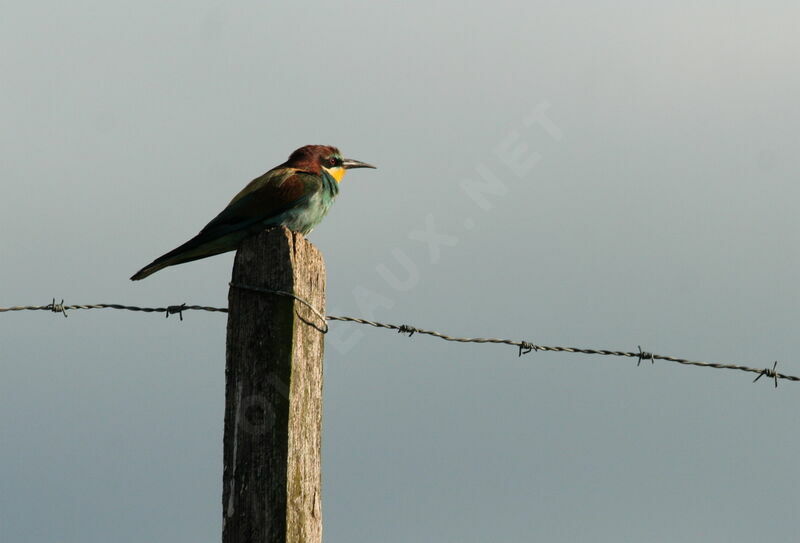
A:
[296,194]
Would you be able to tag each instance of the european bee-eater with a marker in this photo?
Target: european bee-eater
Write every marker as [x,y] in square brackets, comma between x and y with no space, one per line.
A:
[297,194]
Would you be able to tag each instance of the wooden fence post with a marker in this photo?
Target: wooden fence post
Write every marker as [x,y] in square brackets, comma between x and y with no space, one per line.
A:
[273,392]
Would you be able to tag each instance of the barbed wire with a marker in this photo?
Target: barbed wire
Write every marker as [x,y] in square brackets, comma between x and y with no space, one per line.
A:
[62,308]
[524,347]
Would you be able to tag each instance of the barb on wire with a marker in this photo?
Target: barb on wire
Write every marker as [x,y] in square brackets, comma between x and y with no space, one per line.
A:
[644,355]
[58,308]
[173,309]
[524,347]
[769,373]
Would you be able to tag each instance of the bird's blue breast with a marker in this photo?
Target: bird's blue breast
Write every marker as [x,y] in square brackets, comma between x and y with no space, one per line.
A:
[305,216]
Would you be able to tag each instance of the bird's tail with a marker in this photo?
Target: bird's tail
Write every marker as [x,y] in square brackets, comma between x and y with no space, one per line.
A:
[196,248]
[151,268]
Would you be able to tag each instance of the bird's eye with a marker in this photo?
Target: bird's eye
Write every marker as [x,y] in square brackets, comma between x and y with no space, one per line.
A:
[332,161]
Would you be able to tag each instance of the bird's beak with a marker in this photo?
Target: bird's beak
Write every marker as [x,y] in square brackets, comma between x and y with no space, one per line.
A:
[349,164]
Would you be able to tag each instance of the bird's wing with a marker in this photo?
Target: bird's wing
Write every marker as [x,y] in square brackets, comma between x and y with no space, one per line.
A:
[267,196]
[264,198]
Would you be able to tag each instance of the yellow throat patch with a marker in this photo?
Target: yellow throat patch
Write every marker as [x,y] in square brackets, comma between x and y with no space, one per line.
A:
[336,172]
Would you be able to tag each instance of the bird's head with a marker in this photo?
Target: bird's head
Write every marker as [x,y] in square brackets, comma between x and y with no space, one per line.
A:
[316,158]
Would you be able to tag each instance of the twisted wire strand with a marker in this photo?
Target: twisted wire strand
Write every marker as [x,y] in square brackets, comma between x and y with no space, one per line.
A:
[63,308]
[524,347]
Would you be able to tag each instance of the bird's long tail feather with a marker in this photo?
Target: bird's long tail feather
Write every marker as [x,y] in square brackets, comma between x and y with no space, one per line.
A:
[196,248]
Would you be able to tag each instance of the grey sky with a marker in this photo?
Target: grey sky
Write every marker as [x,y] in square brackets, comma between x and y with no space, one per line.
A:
[664,214]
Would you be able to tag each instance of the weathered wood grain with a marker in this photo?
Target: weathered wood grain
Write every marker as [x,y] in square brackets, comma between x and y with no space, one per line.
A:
[273,394]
